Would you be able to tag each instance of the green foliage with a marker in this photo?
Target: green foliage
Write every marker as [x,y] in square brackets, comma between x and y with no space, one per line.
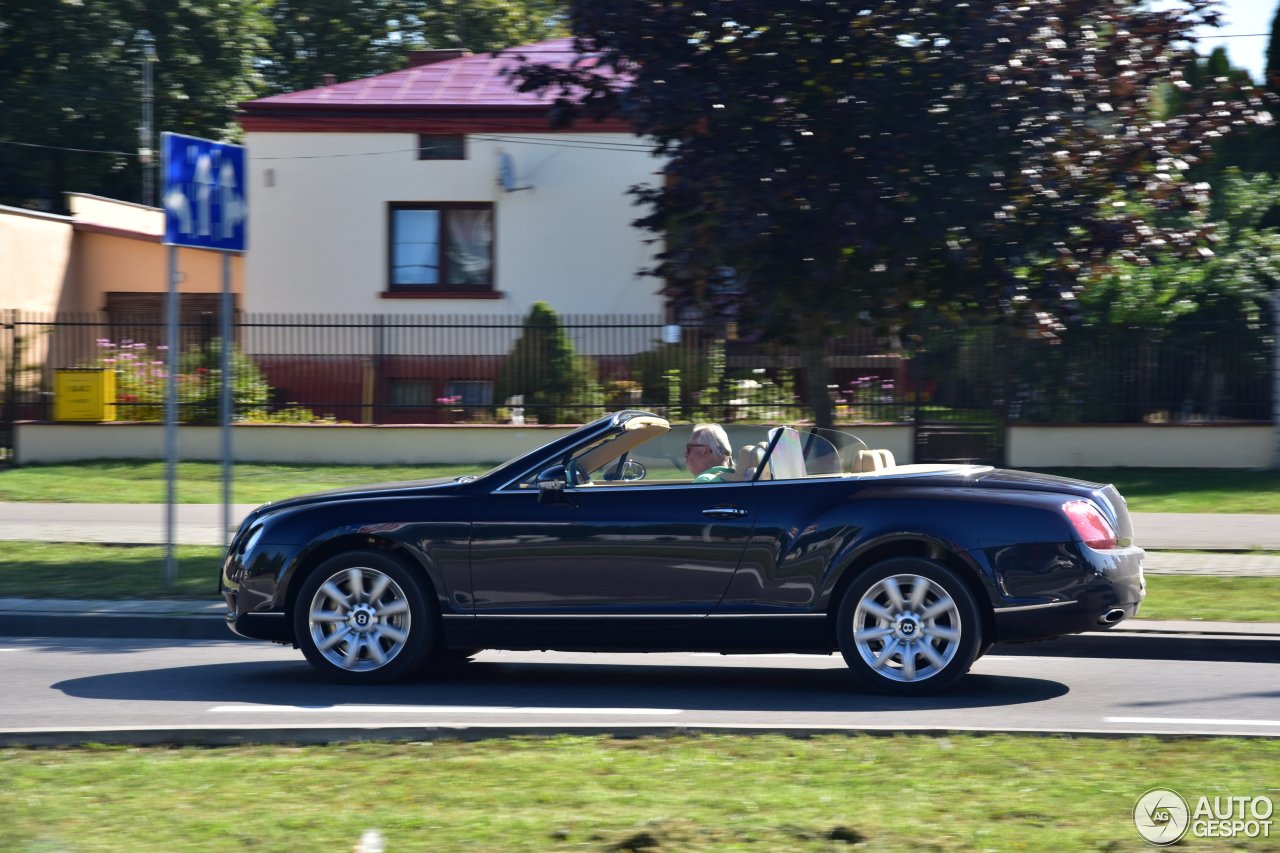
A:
[758,397]
[1229,285]
[487,25]
[359,38]
[200,383]
[830,161]
[1272,69]
[141,378]
[73,72]
[557,385]
[142,384]
[690,365]
[71,101]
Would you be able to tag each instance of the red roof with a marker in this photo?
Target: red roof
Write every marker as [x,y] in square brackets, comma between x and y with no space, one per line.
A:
[478,86]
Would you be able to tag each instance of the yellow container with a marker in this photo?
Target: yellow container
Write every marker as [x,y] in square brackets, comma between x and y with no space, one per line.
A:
[84,394]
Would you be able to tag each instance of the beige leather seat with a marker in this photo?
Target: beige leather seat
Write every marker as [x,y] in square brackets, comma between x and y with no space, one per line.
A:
[749,460]
[871,461]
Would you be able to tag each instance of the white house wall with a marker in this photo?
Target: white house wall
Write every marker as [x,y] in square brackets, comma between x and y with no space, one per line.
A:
[318,220]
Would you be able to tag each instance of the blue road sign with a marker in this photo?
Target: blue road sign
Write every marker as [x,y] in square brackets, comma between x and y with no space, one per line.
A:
[205,203]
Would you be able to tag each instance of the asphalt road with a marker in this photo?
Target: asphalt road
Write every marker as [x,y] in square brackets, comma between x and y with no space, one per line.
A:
[60,690]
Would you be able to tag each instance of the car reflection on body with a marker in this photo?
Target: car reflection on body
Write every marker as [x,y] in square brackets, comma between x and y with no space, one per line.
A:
[600,541]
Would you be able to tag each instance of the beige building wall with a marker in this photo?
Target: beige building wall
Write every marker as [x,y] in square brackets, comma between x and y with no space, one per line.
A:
[1141,446]
[119,248]
[35,259]
[54,263]
[318,232]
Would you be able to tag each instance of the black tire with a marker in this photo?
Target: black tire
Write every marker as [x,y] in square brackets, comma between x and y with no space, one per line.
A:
[908,626]
[363,618]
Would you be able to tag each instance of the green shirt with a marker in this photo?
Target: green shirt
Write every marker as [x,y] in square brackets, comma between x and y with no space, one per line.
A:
[713,474]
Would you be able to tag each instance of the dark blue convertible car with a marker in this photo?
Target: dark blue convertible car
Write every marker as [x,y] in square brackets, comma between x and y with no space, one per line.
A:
[601,541]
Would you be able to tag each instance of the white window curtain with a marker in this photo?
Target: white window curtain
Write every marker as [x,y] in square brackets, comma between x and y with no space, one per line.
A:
[470,246]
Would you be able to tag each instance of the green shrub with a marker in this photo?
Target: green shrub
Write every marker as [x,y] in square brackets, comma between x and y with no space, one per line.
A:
[557,385]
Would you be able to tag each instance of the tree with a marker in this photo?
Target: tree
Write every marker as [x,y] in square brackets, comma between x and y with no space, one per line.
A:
[829,161]
[72,101]
[360,38]
[346,38]
[557,385]
[1271,72]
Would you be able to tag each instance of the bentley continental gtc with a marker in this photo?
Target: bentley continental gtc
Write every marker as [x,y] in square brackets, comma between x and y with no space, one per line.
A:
[808,541]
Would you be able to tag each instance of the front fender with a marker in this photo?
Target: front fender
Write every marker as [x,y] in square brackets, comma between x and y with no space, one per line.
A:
[430,535]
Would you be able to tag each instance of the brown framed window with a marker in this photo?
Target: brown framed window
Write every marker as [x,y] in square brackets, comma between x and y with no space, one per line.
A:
[470,392]
[442,146]
[411,393]
[440,247]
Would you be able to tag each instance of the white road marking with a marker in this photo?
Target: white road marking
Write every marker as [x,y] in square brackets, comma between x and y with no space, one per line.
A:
[437,709]
[1191,721]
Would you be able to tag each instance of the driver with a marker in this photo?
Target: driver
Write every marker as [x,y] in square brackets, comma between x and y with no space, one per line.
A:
[707,454]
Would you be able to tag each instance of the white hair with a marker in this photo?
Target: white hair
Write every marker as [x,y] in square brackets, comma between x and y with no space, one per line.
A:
[714,437]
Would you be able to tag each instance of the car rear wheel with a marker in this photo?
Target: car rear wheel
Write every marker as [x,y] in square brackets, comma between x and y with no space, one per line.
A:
[362,618]
[909,626]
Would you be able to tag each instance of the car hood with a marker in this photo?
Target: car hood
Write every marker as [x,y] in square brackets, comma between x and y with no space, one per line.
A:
[438,485]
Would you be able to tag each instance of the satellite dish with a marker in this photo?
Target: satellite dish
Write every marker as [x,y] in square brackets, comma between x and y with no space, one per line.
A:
[507,174]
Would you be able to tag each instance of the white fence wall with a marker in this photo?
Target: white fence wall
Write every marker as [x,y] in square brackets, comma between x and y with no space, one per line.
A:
[1136,446]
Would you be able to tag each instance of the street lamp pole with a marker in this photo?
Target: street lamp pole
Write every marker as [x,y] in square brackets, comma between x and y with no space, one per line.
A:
[146,146]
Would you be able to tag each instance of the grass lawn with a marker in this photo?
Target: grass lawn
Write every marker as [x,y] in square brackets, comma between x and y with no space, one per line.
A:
[83,570]
[123,481]
[1213,599]
[713,792]
[88,570]
[1146,489]
[1188,489]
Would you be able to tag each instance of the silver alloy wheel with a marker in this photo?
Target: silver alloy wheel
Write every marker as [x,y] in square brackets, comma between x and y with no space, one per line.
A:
[907,628]
[359,619]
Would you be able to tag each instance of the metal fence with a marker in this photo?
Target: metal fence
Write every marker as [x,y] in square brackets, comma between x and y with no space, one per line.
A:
[499,369]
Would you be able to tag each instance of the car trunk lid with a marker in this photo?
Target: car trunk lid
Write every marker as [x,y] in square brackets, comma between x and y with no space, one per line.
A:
[1107,498]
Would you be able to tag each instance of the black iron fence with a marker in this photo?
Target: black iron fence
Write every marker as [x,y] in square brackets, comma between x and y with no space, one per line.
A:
[443,369]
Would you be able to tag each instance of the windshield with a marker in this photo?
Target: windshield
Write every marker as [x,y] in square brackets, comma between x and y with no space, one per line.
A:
[814,452]
[654,450]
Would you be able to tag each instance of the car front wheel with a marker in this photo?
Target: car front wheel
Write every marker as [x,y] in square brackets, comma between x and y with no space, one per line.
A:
[362,618]
[908,626]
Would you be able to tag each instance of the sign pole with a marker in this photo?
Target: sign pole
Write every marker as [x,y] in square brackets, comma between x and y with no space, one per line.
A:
[226,413]
[171,425]
[205,208]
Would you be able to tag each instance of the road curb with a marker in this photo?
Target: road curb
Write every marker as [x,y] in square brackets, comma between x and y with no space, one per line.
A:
[323,734]
[135,626]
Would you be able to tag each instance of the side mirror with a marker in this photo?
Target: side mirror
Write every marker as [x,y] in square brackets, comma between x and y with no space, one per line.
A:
[551,486]
[552,492]
[632,470]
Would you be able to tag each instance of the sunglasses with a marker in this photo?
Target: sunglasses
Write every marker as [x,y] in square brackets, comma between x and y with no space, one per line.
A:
[689,448]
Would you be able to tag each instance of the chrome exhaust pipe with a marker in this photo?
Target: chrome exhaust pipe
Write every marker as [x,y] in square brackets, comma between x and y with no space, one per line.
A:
[1111,617]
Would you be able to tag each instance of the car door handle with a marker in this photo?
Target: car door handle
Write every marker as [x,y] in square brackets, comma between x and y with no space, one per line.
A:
[725,512]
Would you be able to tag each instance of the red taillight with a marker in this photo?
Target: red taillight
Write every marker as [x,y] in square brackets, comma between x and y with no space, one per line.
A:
[1090,525]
